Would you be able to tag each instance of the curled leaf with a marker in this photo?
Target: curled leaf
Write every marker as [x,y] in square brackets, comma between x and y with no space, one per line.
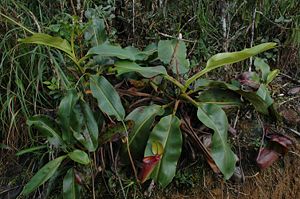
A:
[276,148]
[149,164]
[157,148]
[266,158]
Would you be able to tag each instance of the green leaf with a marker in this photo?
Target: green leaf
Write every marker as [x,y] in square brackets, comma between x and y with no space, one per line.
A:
[259,104]
[148,72]
[264,93]
[143,118]
[168,133]
[261,65]
[173,52]
[46,126]
[42,175]
[108,99]
[214,117]
[89,136]
[108,50]
[222,59]
[69,119]
[30,150]
[95,32]
[272,75]
[69,186]
[79,156]
[48,40]
[219,96]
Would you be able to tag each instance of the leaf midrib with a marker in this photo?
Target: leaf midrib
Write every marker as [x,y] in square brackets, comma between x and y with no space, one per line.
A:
[111,105]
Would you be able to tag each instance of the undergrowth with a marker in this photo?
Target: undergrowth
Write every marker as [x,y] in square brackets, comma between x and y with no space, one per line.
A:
[32,83]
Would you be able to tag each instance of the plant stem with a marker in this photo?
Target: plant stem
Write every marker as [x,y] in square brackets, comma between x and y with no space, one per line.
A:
[175,107]
[185,96]
[13,21]
[194,78]
[129,153]
[174,81]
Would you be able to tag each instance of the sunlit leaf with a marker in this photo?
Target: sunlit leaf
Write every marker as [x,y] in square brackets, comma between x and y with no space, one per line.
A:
[79,156]
[108,99]
[214,117]
[222,59]
[148,72]
[173,53]
[46,126]
[48,40]
[167,132]
[69,186]
[272,75]
[46,172]
[143,118]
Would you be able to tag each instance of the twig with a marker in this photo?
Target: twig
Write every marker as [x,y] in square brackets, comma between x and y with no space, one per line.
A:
[129,153]
[252,37]
[292,130]
[263,137]
[73,7]
[133,15]
[291,78]
[170,36]
[290,99]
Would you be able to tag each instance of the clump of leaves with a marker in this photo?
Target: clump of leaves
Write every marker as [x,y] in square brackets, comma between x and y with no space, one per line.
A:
[156,138]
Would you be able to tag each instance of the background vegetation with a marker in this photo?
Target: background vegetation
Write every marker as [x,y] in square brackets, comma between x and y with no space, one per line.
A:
[29,84]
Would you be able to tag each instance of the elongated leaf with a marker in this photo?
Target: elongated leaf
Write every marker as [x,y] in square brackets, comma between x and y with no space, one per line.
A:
[220,96]
[67,115]
[131,53]
[42,175]
[89,136]
[148,72]
[108,99]
[143,118]
[30,150]
[79,156]
[69,186]
[173,52]
[260,105]
[46,126]
[222,59]
[272,75]
[168,133]
[108,50]
[48,40]
[214,117]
